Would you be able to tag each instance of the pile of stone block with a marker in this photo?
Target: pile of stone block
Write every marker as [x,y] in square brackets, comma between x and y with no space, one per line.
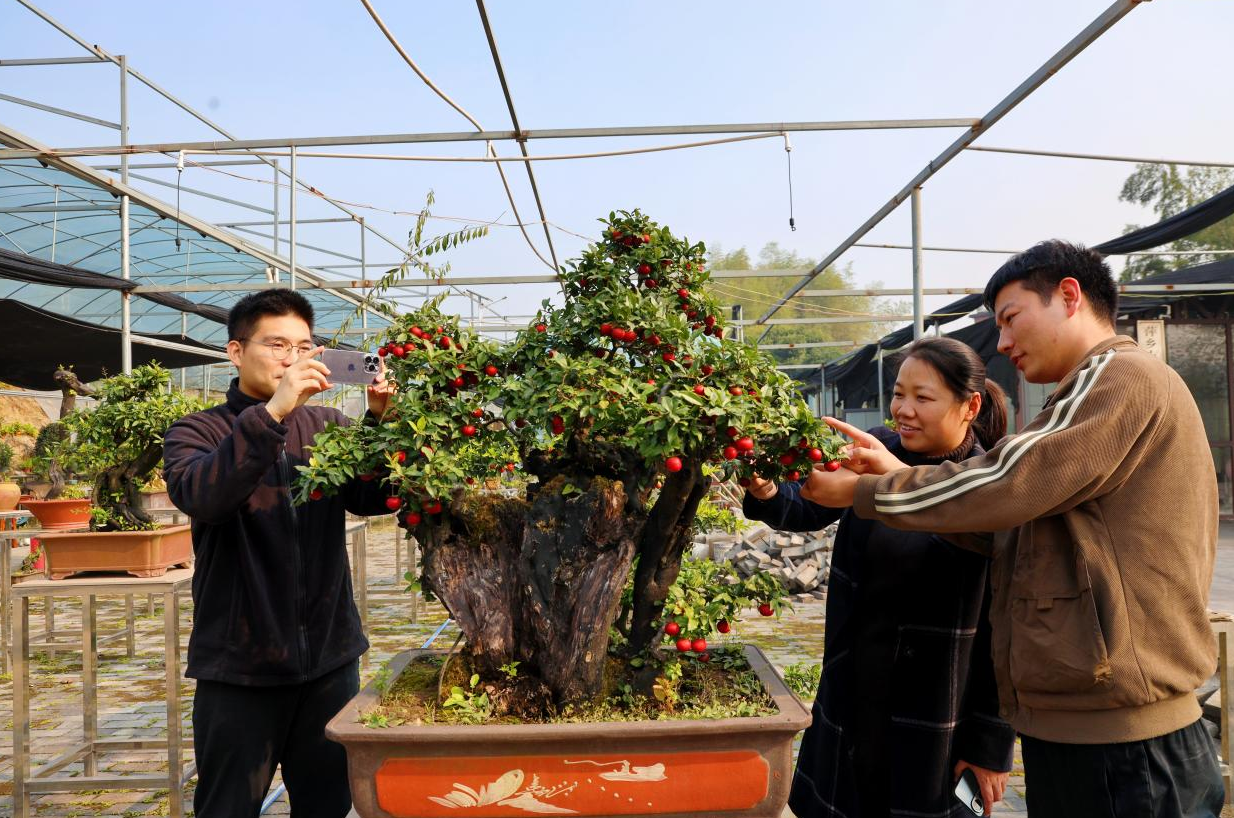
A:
[802,562]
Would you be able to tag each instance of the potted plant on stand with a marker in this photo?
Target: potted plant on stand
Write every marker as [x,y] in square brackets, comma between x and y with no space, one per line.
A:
[118,445]
[622,405]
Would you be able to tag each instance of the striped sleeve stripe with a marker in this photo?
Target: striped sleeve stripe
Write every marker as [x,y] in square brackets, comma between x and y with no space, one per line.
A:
[1063,414]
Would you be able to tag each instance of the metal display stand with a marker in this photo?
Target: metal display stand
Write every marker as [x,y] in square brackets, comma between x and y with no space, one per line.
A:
[50,633]
[28,782]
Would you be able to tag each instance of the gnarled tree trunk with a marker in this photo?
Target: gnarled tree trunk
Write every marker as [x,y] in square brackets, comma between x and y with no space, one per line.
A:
[538,582]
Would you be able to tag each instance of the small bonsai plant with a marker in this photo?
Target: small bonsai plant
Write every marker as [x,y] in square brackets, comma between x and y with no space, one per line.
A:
[120,443]
[624,405]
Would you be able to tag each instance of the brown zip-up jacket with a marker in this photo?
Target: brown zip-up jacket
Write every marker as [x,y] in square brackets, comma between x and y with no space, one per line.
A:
[1105,508]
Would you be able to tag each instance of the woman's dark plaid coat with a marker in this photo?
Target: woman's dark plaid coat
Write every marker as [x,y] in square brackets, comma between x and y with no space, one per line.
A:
[943,703]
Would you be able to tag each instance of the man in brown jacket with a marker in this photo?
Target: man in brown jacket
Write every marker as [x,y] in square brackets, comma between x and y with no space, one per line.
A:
[1105,513]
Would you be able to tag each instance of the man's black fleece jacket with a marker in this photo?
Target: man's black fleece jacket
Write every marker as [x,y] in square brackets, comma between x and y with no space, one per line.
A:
[272,591]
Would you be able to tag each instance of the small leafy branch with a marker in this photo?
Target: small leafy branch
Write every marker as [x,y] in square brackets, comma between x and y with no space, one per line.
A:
[416,256]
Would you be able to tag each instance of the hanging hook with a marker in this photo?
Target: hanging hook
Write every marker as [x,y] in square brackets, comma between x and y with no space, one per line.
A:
[788,153]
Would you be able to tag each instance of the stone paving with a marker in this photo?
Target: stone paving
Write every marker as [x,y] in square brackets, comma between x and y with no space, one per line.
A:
[131,690]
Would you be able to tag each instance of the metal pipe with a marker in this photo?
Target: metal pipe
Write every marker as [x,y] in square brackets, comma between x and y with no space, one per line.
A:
[363,309]
[168,165]
[274,210]
[881,411]
[55,221]
[50,61]
[1013,252]
[291,267]
[522,143]
[1051,67]
[496,136]
[51,109]
[124,117]
[918,301]
[159,342]
[205,194]
[126,321]
[56,208]
[1139,160]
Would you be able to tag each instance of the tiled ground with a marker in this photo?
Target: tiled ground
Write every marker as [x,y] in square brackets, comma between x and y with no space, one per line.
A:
[130,697]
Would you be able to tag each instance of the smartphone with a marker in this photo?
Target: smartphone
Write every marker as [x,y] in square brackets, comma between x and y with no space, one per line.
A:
[351,367]
[968,791]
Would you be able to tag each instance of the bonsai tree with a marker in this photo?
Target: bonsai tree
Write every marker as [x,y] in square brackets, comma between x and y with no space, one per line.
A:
[120,443]
[620,403]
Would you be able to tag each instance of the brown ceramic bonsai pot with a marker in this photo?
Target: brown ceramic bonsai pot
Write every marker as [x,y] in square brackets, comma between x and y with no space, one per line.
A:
[140,553]
[721,768]
[56,514]
[10,493]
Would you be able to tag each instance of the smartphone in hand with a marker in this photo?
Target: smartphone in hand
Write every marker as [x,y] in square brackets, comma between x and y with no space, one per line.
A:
[968,792]
[351,367]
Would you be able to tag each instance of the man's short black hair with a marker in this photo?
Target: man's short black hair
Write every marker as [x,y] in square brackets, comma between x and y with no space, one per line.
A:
[1043,265]
[252,308]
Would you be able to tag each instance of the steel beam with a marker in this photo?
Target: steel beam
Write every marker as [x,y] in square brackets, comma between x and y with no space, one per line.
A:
[51,109]
[497,136]
[1051,67]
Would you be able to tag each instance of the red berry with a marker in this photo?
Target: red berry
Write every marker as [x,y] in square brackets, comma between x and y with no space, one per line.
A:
[704,657]
[651,283]
[398,351]
[541,328]
[382,351]
[734,390]
[520,422]
[723,627]
[490,370]
[644,269]
[367,476]
[699,389]
[616,233]
[745,444]
[815,455]
[316,494]
[606,329]
[673,464]
[731,431]
[787,459]
[400,457]
[444,343]
[412,518]
[683,294]
[699,645]
[393,503]
[765,609]
[730,452]
[469,430]
[710,321]
[707,369]
[832,465]
[669,357]
[684,644]
[794,476]
[458,382]
[654,340]
[416,331]
[477,413]
[672,628]
[646,238]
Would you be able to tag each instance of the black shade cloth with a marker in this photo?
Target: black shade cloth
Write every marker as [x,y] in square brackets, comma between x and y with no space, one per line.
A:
[20,267]
[37,342]
[1192,220]
[1214,272]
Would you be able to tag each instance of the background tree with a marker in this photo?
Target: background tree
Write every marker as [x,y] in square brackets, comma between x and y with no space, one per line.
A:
[1167,191]
[756,293]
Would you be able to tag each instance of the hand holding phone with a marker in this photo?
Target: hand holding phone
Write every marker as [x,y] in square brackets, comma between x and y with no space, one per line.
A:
[351,367]
[968,792]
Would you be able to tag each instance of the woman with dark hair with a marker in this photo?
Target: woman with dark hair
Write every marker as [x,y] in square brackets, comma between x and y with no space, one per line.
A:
[907,700]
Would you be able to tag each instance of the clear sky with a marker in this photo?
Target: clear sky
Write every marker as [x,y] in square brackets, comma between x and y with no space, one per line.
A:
[1156,85]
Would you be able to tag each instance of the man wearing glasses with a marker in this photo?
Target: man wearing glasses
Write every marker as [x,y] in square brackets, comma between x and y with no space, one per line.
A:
[276,635]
